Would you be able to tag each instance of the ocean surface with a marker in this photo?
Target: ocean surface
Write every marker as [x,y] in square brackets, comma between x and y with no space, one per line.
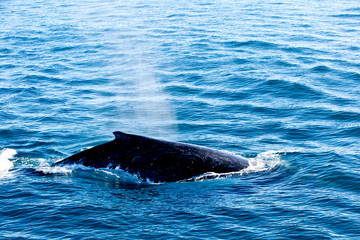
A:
[275,81]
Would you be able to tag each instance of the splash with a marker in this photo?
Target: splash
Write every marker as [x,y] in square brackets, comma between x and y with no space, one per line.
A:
[262,162]
[5,156]
[47,169]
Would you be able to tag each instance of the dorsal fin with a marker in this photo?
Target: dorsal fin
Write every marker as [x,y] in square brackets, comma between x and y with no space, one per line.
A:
[120,135]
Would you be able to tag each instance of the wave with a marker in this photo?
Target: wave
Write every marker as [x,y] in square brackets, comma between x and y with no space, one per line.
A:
[251,43]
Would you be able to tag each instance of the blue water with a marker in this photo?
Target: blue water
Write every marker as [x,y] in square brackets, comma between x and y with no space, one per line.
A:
[275,81]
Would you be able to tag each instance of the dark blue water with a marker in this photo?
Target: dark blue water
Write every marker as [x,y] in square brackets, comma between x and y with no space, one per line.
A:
[275,81]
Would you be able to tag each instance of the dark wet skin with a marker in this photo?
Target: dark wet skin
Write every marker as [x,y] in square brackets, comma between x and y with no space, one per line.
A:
[157,160]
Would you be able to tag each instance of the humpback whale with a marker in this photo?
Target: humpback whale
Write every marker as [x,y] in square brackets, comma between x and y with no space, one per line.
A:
[157,160]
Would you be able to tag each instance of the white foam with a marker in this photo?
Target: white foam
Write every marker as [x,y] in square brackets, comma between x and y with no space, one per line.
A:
[262,162]
[62,170]
[54,170]
[5,156]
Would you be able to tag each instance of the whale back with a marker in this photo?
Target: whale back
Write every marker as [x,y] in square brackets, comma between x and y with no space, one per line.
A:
[157,160]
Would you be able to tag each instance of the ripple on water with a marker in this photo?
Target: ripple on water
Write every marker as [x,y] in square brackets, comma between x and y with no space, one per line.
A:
[288,89]
[251,44]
